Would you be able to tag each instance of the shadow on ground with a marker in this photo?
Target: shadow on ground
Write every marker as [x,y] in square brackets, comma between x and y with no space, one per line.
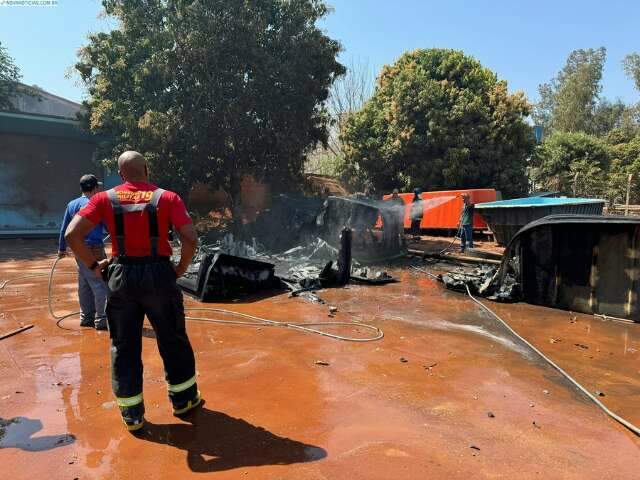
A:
[26,249]
[216,442]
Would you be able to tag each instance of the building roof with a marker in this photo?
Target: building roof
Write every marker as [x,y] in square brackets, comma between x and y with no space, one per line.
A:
[43,114]
[42,126]
[45,103]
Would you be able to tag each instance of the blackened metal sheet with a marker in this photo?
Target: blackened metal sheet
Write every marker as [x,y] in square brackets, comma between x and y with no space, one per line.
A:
[377,230]
[506,221]
[224,277]
[585,263]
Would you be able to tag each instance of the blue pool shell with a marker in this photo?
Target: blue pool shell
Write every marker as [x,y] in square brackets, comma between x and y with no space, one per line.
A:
[538,202]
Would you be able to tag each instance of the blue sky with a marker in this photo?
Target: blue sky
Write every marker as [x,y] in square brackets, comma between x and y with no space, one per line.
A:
[525,43]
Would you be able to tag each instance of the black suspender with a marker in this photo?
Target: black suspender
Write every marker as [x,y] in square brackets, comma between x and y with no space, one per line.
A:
[152,210]
[119,220]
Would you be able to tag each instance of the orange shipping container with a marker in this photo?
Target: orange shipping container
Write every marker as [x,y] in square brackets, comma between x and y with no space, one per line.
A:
[442,209]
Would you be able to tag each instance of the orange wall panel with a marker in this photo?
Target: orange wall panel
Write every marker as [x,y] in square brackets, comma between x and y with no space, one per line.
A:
[442,209]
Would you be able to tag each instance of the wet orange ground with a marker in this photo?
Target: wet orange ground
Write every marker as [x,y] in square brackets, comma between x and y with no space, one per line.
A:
[435,244]
[273,413]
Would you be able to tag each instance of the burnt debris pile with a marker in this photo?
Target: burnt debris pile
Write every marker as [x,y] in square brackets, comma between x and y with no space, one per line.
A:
[482,281]
[294,225]
[301,245]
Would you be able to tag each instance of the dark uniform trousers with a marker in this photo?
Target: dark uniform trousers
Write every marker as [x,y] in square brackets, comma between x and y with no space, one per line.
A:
[140,286]
[416,213]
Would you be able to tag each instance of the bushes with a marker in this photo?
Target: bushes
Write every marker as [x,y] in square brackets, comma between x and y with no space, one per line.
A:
[588,166]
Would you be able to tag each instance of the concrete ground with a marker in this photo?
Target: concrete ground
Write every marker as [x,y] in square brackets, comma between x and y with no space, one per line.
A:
[447,394]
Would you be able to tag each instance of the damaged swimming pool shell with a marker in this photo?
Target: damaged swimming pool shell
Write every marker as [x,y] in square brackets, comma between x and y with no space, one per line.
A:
[583,263]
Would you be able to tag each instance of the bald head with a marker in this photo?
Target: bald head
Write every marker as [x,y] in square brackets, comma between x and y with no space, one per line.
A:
[132,167]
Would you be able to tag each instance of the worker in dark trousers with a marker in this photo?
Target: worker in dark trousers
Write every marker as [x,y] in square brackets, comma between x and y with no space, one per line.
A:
[142,281]
[92,291]
[396,225]
[466,223]
[417,212]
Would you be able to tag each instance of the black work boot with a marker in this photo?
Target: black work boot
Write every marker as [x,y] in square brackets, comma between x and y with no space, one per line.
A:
[133,417]
[184,408]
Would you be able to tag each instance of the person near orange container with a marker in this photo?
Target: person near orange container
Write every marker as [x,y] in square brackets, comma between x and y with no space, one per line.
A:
[417,212]
[466,223]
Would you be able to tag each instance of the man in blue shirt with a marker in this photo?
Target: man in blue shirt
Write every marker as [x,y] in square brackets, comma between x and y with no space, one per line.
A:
[92,291]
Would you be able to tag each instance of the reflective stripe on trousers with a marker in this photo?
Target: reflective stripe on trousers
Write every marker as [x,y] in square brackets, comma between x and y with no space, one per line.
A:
[181,387]
[129,401]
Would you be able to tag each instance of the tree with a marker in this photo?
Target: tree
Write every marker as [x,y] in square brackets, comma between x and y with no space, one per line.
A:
[212,90]
[625,160]
[568,103]
[608,116]
[631,65]
[9,79]
[438,119]
[348,94]
[571,161]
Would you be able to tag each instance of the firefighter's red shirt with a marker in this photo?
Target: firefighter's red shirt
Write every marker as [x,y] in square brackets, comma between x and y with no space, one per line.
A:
[171,210]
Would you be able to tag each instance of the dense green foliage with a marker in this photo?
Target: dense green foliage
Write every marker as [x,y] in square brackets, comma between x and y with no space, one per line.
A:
[438,119]
[211,90]
[591,144]
[9,78]
[586,165]
[565,154]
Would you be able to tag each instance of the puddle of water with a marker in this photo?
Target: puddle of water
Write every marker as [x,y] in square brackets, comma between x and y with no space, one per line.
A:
[18,433]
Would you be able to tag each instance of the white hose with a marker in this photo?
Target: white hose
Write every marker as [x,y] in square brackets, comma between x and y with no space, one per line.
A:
[604,408]
[59,318]
[601,405]
[305,327]
[253,321]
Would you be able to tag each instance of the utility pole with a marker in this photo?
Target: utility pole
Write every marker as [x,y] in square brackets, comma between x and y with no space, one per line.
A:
[575,184]
[626,206]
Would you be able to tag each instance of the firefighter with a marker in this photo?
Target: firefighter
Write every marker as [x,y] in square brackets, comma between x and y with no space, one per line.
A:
[141,280]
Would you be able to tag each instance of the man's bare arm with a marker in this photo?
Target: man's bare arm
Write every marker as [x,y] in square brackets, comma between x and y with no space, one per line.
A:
[74,236]
[189,241]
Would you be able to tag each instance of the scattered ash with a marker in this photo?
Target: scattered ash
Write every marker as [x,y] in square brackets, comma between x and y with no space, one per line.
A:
[303,269]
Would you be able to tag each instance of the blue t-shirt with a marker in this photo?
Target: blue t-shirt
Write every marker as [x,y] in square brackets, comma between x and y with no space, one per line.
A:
[93,238]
